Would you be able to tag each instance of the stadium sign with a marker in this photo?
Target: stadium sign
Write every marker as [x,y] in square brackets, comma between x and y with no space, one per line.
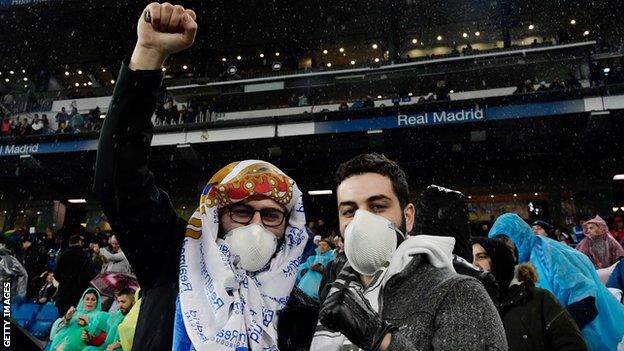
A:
[442,117]
[47,147]
[19,149]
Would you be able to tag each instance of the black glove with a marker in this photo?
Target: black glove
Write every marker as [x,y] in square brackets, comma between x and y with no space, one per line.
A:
[348,312]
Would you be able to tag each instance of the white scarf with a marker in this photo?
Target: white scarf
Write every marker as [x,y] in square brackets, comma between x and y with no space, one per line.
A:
[437,250]
[223,307]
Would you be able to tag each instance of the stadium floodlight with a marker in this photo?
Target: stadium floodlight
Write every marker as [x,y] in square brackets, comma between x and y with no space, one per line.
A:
[77,84]
[531,27]
[515,195]
[239,57]
[414,41]
[103,70]
[618,177]
[261,55]
[6,80]
[477,33]
[185,67]
[341,50]
[465,35]
[223,59]
[607,70]
[89,83]
[492,196]
[410,94]
[376,59]
[79,72]
[586,33]
[276,66]
[77,201]
[84,84]
[324,52]
[277,53]
[439,37]
[11,72]
[329,64]
[379,96]
[66,73]
[320,192]
[164,69]
[352,62]
[112,81]
[375,46]
[23,71]
[573,22]
[469,197]
[536,194]
[25,79]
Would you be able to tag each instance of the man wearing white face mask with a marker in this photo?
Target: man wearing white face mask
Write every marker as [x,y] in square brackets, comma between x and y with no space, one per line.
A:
[397,292]
[223,280]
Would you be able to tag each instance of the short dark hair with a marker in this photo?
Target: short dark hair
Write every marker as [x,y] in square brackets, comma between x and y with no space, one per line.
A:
[380,164]
[75,240]
[127,291]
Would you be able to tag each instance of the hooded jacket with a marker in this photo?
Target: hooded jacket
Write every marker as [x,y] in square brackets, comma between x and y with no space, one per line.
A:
[602,249]
[444,212]
[533,318]
[571,277]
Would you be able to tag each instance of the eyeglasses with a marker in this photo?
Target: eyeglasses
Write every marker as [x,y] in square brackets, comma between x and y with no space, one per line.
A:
[243,214]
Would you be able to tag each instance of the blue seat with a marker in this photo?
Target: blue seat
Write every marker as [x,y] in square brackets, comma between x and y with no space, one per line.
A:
[41,328]
[27,314]
[18,300]
[29,307]
[23,322]
[48,312]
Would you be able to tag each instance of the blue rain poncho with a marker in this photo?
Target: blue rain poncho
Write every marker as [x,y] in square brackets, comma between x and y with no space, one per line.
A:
[310,281]
[570,276]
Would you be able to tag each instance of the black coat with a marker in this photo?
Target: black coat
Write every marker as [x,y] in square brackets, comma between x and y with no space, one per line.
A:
[141,214]
[534,320]
[73,272]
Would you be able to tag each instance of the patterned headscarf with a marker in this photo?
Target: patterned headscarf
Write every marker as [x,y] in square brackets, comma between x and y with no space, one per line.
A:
[221,307]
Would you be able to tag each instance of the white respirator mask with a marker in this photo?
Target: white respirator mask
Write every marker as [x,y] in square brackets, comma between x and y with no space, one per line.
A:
[369,242]
[252,246]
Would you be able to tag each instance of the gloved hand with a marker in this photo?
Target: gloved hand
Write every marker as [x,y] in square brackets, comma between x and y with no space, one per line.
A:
[348,312]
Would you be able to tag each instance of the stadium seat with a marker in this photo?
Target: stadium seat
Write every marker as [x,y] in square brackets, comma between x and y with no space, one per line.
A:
[18,300]
[24,322]
[29,308]
[48,312]
[41,328]
[23,314]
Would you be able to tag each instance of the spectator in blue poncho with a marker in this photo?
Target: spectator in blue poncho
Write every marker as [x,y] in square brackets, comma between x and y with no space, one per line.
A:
[311,271]
[572,278]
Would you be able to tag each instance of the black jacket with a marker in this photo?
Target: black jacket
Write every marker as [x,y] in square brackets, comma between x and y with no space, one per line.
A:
[147,227]
[534,321]
[73,272]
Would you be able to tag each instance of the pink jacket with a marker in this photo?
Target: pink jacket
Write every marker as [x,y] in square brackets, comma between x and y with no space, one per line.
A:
[602,249]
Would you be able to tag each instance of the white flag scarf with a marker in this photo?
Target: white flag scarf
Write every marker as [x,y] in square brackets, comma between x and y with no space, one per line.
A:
[225,308]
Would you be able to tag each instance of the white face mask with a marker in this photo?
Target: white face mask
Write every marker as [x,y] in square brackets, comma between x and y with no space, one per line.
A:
[369,241]
[252,246]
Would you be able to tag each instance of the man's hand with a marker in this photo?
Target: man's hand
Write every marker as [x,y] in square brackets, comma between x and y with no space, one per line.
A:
[317,267]
[163,29]
[348,312]
[113,346]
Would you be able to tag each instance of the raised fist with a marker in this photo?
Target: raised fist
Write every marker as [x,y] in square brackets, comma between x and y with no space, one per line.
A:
[163,29]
